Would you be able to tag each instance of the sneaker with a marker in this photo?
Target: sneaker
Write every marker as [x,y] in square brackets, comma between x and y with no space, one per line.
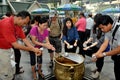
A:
[95,74]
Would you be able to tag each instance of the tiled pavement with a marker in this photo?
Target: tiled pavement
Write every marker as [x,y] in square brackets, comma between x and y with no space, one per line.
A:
[106,74]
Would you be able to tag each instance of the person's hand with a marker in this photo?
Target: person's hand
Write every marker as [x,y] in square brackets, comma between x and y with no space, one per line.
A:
[68,46]
[75,44]
[85,44]
[94,58]
[52,48]
[48,29]
[86,48]
[97,55]
[37,51]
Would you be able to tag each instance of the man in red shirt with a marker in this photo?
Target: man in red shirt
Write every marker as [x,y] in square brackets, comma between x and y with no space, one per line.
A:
[10,31]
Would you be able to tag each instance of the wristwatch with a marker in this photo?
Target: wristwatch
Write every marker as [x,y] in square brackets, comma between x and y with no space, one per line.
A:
[104,54]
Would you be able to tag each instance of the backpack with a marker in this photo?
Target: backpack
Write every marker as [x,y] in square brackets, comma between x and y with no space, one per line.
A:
[59,22]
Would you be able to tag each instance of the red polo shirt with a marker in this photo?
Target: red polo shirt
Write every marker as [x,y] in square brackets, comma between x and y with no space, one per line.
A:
[9,33]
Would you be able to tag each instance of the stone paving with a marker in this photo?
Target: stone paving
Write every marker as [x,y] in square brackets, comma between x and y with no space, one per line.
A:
[106,74]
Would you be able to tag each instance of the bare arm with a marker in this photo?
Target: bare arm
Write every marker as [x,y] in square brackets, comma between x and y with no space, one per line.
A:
[114,51]
[22,47]
[103,47]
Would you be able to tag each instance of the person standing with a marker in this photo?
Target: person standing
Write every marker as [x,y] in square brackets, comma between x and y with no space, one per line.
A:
[39,37]
[10,31]
[89,26]
[17,52]
[81,27]
[70,36]
[112,36]
[55,37]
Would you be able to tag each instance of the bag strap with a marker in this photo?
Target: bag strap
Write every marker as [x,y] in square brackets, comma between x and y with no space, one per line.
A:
[114,32]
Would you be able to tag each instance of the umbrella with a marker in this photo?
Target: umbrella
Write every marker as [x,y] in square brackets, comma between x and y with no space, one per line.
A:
[111,10]
[61,13]
[40,11]
[69,7]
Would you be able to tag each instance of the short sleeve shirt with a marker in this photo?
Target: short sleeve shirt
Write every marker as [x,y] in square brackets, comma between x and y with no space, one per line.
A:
[9,33]
[116,40]
[41,37]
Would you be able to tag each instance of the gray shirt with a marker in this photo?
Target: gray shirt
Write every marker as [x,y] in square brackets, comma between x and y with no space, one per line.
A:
[116,40]
[95,39]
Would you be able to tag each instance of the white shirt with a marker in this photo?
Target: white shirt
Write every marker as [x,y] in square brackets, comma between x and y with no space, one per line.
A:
[89,23]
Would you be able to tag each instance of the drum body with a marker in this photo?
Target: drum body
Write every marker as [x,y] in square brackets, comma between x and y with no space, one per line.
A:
[66,69]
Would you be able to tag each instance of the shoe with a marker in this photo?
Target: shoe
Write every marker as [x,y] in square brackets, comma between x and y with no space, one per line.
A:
[20,72]
[21,67]
[95,74]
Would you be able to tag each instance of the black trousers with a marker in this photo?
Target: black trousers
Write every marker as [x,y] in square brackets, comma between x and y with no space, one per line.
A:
[81,41]
[87,34]
[73,50]
[116,60]
[99,62]
[17,59]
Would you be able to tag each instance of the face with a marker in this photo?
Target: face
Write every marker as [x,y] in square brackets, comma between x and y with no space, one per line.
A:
[43,26]
[68,24]
[105,28]
[23,22]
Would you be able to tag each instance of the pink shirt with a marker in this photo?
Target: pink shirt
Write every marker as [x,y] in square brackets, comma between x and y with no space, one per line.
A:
[81,24]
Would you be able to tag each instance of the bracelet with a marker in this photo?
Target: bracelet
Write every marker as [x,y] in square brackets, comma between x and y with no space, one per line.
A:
[104,54]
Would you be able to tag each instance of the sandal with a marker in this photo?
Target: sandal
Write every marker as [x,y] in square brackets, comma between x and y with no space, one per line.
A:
[41,75]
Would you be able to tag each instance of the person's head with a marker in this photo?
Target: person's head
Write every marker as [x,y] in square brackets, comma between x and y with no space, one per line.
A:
[8,14]
[96,17]
[96,30]
[22,18]
[35,20]
[54,18]
[90,15]
[82,15]
[68,23]
[43,23]
[105,22]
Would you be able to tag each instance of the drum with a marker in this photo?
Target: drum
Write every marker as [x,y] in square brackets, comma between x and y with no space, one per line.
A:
[67,69]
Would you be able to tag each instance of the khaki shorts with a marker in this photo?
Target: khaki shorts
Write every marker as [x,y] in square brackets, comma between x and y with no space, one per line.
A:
[6,70]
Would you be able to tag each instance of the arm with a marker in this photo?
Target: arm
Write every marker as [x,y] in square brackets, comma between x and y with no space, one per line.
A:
[77,23]
[27,48]
[93,44]
[22,47]
[103,47]
[66,43]
[36,50]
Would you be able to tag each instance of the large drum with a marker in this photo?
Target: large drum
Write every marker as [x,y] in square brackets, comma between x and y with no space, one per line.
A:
[66,69]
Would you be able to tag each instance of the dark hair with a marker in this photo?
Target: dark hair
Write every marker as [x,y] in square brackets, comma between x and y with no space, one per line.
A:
[95,27]
[104,20]
[36,18]
[23,14]
[65,27]
[43,20]
[8,14]
[90,15]
[82,14]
